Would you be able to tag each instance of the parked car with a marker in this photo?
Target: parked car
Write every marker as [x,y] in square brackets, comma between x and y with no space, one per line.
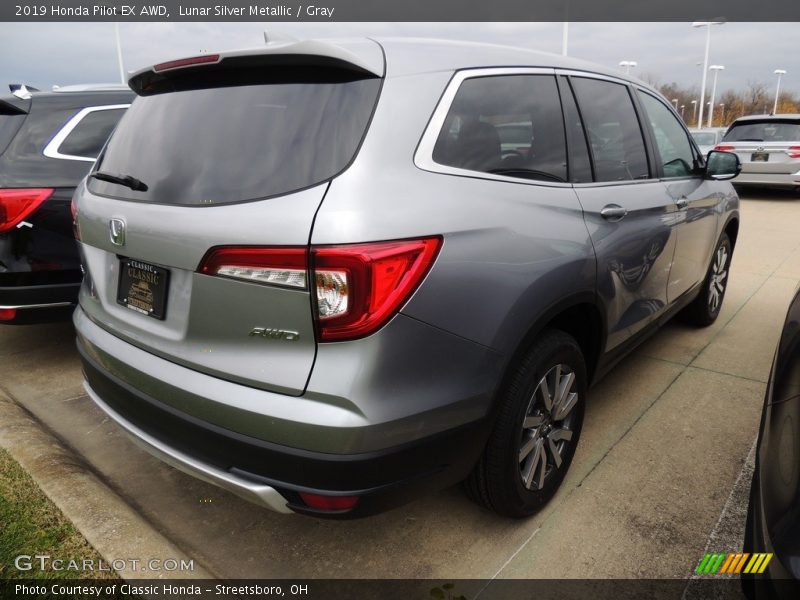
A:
[48,142]
[356,296]
[768,147]
[773,516]
[707,138]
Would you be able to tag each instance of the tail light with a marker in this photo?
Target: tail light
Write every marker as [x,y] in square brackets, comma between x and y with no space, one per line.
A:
[285,267]
[794,152]
[16,205]
[357,288]
[724,148]
[7,314]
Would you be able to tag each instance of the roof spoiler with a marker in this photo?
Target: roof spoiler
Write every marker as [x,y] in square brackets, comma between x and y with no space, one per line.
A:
[308,53]
[22,91]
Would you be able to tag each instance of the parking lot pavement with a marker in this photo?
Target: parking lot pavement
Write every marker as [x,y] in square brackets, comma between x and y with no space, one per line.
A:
[666,435]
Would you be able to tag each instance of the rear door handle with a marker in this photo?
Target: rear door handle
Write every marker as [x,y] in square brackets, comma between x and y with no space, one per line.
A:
[682,203]
[613,212]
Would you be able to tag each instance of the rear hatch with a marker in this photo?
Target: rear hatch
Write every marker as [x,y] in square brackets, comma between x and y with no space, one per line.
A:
[769,145]
[227,153]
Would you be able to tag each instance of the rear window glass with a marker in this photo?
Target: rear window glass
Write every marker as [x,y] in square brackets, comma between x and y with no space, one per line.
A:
[219,145]
[614,133]
[91,133]
[764,131]
[705,138]
[9,124]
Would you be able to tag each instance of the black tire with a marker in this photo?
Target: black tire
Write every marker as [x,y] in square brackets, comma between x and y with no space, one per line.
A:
[704,309]
[497,480]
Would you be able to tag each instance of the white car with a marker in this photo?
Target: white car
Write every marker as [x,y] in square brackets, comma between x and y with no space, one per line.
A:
[768,147]
[707,138]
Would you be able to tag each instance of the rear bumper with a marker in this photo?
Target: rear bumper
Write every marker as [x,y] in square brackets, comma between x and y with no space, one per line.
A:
[39,303]
[782,180]
[265,472]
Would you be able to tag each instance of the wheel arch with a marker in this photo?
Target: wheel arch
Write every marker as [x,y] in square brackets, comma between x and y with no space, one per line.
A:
[579,316]
[732,229]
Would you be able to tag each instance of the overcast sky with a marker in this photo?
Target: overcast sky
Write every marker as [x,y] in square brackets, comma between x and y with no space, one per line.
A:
[43,54]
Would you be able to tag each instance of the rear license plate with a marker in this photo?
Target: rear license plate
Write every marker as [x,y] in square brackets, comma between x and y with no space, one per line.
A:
[143,287]
[759,157]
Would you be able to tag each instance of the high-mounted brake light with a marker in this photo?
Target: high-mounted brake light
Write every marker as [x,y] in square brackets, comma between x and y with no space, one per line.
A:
[285,267]
[360,287]
[186,62]
[794,152]
[18,204]
[357,288]
[724,148]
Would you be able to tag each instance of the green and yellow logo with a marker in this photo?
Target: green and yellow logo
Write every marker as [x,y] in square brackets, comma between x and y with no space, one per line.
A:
[731,563]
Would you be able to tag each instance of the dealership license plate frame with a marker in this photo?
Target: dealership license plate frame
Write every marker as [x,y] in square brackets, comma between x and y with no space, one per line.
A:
[145,295]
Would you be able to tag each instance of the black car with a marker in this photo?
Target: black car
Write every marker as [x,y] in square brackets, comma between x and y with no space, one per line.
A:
[48,142]
[773,518]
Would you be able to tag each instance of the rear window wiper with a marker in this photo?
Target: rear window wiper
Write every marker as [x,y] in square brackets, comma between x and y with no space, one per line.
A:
[126,180]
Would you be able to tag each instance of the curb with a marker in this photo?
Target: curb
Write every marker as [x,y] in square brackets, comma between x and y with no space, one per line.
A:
[107,522]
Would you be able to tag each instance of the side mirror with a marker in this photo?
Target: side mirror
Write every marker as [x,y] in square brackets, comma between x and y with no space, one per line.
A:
[722,165]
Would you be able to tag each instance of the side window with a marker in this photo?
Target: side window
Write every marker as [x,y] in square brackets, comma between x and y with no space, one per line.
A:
[580,166]
[614,132]
[508,125]
[89,135]
[673,143]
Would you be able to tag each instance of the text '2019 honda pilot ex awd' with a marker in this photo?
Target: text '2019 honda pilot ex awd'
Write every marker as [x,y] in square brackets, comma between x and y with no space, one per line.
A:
[316,275]
[48,142]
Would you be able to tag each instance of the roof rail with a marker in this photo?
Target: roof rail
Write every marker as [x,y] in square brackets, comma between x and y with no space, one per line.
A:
[91,87]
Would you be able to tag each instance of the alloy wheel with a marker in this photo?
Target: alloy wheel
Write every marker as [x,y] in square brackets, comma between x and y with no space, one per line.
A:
[719,275]
[546,426]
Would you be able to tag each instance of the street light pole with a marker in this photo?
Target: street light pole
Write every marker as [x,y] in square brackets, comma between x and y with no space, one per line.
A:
[675,103]
[682,107]
[564,38]
[627,64]
[694,109]
[716,69]
[722,109]
[707,25]
[119,54]
[779,73]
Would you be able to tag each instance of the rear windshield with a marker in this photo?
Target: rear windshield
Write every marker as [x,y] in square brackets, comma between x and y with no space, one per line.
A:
[705,138]
[234,143]
[764,131]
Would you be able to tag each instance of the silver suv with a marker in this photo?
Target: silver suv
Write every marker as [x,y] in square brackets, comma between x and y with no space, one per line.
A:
[325,276]
[768,147]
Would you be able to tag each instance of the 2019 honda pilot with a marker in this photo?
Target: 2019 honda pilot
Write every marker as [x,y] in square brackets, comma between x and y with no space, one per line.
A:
[317,276]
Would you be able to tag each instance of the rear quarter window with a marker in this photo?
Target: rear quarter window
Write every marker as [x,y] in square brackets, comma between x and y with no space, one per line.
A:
[507,125]
[90,134]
